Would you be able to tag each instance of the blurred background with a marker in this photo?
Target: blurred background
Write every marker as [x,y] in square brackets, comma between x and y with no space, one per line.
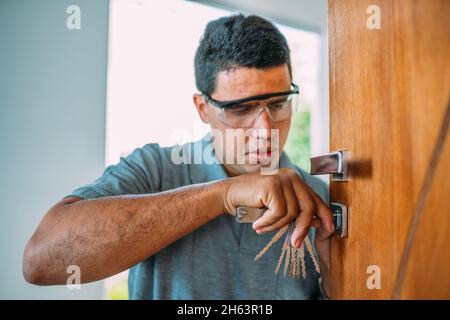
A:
[73,101]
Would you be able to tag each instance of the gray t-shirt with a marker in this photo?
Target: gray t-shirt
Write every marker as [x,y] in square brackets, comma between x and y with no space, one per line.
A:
[215,261]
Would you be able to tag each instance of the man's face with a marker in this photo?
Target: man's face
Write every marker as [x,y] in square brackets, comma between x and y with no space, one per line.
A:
[260,142]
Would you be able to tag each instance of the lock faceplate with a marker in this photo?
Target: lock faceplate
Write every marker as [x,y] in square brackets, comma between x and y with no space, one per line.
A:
[339,211]
[340,218]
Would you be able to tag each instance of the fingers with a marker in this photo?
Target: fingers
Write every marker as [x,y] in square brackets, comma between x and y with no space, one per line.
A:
[323,212]
[322,235]
[292,210]
[289,199]
[307,209]
[324,216]
[277,208]
[316,223]
[300,231]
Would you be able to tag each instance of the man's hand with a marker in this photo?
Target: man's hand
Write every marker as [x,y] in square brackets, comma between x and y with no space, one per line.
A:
[286,198]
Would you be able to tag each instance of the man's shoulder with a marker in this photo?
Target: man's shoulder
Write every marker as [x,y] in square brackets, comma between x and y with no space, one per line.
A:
[147,152]
[152,150]
[152,153]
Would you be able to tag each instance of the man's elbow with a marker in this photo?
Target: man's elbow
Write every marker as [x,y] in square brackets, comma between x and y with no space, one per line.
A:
[30,266]
[35,268]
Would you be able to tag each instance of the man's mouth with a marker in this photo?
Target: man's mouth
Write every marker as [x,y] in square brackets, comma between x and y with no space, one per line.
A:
[267,153]
[260,154]
[260,151]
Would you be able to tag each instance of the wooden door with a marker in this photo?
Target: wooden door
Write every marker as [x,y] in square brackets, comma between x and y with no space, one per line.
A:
[389,106]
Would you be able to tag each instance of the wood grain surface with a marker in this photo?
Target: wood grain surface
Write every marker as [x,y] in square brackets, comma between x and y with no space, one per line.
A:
[389,91]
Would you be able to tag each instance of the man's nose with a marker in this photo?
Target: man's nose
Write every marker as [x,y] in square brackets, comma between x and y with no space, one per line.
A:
[263,121]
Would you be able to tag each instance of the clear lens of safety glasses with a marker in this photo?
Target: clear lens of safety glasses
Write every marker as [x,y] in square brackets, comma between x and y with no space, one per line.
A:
[244,115]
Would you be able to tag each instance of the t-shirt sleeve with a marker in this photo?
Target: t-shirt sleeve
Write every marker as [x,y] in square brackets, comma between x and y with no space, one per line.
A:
[138,173]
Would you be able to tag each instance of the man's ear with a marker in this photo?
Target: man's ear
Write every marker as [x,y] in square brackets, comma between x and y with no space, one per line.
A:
[202,107]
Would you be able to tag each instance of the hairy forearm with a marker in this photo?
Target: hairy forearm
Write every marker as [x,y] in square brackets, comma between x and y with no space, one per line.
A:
[107,235]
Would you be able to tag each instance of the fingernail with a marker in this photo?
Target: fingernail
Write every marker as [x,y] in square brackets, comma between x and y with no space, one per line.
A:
[298,243]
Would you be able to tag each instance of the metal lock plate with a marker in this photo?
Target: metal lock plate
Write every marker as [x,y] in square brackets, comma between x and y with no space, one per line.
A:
[339,212]
[340,218]
[248,214]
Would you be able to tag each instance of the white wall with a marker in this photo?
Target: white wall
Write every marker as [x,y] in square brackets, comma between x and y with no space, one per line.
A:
[52,123]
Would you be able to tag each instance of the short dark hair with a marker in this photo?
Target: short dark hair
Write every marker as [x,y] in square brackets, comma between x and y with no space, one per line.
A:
[238,41]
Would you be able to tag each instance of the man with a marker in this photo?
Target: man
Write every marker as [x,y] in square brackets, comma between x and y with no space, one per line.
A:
[172,221]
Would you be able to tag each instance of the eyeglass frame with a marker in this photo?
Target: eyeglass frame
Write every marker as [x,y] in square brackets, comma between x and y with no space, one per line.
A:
[235,103]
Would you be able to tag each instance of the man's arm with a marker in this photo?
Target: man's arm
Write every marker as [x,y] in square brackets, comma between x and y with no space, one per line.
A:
[105,236]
